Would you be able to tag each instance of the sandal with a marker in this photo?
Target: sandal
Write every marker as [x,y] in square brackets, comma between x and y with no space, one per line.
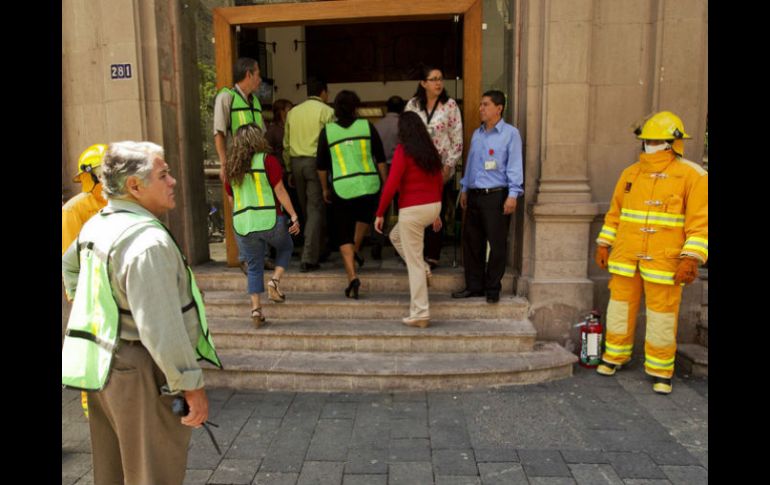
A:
[257,317]
[428,277]
[273,292]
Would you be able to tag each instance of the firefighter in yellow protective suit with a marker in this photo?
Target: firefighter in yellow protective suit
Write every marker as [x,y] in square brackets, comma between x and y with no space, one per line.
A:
[654,237]
[76,211]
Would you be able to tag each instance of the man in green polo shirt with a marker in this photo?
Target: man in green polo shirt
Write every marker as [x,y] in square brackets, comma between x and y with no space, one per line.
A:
[300,145]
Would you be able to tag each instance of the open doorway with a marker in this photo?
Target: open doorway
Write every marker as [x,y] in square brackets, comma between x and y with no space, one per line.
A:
[308,20]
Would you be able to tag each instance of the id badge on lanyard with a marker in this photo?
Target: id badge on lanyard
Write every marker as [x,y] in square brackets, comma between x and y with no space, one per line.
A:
[490,163]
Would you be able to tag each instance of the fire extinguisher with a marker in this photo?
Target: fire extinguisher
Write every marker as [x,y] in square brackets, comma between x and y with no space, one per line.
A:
[590,340]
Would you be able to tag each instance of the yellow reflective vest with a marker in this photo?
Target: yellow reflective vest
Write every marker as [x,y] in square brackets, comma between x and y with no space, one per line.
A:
[241,113]
[658,214]
[93,329]
[354,172]
[253,201]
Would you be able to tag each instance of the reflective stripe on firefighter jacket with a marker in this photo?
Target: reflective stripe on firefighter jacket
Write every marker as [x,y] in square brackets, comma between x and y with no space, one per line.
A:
[243,114]
[93,329]
[658,214]
[354,172]
[253,201]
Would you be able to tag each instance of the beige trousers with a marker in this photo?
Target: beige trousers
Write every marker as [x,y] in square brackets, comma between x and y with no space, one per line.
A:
[407,237]
[135,438]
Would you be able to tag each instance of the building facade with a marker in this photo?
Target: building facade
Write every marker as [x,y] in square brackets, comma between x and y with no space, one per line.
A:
[579,75]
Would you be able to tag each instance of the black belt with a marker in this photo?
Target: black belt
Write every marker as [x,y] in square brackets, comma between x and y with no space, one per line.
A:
[487,191]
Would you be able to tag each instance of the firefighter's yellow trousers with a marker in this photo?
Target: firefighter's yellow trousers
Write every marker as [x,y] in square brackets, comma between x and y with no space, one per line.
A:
[662,304]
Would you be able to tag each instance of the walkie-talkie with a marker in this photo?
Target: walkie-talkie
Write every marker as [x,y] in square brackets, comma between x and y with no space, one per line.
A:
[180,408]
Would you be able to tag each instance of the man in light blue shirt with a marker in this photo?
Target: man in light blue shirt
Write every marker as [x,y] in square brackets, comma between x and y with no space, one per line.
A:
[492,181]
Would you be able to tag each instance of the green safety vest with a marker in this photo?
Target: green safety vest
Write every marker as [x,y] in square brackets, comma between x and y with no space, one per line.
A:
[93,330]
[243,114]
[354,172]
[254,204]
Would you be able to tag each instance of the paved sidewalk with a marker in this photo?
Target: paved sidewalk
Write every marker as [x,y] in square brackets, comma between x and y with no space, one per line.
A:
[587,429]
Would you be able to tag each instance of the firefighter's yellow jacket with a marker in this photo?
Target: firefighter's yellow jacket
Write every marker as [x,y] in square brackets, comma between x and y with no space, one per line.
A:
[658,214]
[76,211]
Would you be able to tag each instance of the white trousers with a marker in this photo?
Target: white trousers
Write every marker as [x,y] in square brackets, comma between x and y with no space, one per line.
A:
[407,237]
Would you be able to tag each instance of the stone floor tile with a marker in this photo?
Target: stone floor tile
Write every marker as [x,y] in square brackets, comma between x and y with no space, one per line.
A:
[409,450]
[197,477]
[367,461]
[411,473]
[457,480]
[273,478]
[502,454]
[635,465]
[686,475]
[543,463]
[595,474]
[321,473]
[365,479]
[454,463]
[234,472]
[502,474]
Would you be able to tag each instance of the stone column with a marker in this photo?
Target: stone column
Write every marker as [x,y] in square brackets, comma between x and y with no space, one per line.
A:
[559,201]
[157,103]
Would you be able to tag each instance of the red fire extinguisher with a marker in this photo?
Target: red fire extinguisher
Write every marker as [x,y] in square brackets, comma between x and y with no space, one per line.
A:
[590,340]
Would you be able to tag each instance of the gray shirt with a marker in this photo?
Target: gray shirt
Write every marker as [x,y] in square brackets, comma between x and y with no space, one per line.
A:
[388,131]
[149,278]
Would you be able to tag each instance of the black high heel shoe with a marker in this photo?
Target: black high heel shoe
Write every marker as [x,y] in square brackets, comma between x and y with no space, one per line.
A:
[353,289]
[359,259]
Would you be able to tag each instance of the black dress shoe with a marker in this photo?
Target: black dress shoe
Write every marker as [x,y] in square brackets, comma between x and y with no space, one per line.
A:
[466,294]
[305,267]
[493,297]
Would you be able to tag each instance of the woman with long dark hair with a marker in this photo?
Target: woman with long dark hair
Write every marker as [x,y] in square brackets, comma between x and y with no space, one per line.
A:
[442,118]
[256,180]
[352,150]
[415,174]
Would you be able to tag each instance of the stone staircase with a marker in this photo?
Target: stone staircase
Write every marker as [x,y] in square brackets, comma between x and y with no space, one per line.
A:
[693,358]
[318,340]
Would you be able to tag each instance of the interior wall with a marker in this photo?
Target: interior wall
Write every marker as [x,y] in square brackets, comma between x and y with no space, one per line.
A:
[287,68]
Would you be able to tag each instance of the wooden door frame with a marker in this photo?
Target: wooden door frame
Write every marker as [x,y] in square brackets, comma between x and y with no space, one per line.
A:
[349,11]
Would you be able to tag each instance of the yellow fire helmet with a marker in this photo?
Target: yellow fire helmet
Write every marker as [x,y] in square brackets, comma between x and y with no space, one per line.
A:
[662,126]
[90,159]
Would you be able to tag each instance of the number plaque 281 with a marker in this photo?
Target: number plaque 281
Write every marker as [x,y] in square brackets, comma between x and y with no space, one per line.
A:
[120,71]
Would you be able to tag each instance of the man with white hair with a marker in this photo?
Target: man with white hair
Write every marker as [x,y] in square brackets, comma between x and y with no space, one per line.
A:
[137,327]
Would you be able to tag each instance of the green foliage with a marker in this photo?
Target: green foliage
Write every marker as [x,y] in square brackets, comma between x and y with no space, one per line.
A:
[208,91]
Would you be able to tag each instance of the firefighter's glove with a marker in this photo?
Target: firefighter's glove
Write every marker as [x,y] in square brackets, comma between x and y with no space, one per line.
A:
[602,256]
[687,271]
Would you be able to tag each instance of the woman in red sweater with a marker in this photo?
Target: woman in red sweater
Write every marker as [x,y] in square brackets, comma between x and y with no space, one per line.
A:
[416,174]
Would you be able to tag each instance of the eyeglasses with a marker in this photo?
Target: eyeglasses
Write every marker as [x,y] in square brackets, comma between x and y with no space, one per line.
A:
[435,79]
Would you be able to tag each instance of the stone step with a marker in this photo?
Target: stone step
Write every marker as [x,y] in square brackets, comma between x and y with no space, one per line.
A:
[373,280]
[394,371]
[389,306]
[692,359]
[375,335]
